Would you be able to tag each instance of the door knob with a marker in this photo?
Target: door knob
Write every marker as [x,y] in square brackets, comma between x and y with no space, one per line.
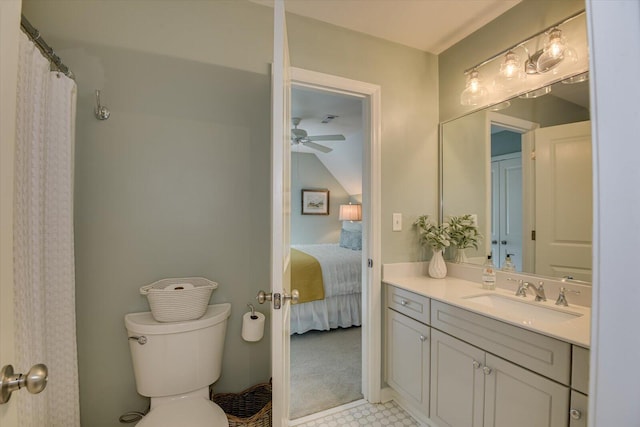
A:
[263,296]
[294,297]
[277,298]
[575,414]
[35,381]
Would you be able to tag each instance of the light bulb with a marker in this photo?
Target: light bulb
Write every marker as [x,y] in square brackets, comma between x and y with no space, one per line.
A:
[556,44]
[474,91]
[510,68]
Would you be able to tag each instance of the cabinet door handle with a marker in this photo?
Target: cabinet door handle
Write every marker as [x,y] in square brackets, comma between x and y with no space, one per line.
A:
[487,370]
[476,364]
[503,242]
[423,338]
[404,302]
[575,414]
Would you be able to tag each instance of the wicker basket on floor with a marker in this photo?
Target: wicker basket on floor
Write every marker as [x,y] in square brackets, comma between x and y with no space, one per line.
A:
[249,408]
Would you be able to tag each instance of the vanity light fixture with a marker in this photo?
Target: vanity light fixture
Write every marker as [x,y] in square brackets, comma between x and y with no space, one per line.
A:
[555,51]
[576,79]
[536,93]
[474,92]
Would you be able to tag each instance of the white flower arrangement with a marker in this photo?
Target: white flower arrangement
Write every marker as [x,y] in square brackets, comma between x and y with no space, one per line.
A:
[463,232]
[436,236]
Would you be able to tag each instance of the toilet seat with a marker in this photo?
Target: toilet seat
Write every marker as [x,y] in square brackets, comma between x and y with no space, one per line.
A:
[191,412]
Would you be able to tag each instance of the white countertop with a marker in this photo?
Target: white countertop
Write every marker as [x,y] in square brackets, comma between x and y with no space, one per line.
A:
[454,291]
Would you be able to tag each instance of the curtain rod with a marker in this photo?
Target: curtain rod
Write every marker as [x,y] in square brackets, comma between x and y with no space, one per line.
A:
[46,50]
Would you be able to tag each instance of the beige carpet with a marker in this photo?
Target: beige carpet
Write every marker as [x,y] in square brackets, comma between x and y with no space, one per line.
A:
[325,370]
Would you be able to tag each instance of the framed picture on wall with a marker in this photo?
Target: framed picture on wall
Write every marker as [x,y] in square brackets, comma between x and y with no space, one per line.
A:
[315,202]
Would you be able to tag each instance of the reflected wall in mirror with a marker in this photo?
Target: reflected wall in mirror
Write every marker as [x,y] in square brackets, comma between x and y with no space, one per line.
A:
[525,171]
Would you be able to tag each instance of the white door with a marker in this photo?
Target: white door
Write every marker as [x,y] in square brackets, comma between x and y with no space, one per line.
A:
[9,30]
[280,213]
[506,203]
[563,201]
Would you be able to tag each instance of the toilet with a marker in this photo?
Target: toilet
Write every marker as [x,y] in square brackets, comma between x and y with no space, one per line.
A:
[175,363]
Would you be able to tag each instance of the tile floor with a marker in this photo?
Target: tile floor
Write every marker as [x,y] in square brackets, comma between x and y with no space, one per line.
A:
[367,414]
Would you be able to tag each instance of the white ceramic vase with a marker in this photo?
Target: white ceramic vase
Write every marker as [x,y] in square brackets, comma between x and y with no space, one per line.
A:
[461,256]
[437,266]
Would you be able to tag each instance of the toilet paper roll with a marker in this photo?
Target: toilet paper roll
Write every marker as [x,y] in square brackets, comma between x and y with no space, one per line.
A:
[178,286]
[252,329]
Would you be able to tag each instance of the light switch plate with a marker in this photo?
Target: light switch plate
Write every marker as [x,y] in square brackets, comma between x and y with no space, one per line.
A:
[397,222]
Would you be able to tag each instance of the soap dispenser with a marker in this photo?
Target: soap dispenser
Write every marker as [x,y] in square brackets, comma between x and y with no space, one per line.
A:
[488,274]
[508,264]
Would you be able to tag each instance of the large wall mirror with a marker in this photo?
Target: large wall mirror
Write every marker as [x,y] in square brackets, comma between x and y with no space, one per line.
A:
[523,168]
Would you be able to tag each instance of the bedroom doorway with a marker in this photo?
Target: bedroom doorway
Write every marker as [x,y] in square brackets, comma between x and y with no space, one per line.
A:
[332,208]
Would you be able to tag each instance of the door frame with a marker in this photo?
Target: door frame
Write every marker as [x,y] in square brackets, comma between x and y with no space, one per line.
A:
[523,127]
[371,186]
[9,36]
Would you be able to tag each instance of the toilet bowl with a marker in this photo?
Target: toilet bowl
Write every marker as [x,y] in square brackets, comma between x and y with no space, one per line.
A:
[175,363]
[193,412]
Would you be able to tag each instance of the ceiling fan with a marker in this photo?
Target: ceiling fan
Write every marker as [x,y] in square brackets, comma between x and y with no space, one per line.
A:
[300,136]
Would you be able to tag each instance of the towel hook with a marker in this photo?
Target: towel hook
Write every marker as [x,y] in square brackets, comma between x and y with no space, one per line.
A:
[101,112]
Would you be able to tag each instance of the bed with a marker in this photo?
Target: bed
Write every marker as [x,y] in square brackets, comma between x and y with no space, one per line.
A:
[342,281]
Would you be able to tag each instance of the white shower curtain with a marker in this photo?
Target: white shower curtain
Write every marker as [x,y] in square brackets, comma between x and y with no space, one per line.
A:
[43,240]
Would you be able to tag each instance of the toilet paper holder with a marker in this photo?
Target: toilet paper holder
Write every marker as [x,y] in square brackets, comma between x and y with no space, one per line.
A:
[253,311]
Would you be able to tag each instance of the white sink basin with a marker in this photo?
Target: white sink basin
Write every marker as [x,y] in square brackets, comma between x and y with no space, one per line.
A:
[526,312]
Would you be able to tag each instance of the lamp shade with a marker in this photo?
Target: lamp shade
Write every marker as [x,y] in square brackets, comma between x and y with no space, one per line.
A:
[350,213]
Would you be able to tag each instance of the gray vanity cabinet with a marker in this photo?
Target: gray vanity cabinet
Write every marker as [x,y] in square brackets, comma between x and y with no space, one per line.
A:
[578,412]
[515,396]
[457,382]
[408,359]
[461,369]
[408,352]
[472,388]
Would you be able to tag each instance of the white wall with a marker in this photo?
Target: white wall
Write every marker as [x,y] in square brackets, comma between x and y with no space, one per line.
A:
[307,172]
[466,177]
[176,183]
[615,379]
[409,152]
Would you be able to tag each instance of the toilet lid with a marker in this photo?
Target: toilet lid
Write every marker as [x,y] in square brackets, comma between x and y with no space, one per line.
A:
[193,412]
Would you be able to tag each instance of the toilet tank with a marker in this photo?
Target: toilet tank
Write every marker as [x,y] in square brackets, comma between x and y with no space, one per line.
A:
[177,357]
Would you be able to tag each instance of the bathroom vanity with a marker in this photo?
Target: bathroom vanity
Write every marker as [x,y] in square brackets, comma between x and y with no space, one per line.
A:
[461,356]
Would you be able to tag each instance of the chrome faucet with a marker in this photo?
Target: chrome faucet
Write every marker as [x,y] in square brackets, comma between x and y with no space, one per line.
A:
[562,297]
[538,292]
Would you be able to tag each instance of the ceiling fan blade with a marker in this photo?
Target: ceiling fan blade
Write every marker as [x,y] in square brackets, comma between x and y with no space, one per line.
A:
[326,138]
[317,146]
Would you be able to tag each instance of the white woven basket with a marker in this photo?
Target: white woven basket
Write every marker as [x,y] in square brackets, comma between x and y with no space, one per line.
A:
[177,300]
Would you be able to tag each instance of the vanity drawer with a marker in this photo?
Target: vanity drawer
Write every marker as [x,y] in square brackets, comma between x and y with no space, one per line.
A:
[539,353]
[405,302]
[580,369]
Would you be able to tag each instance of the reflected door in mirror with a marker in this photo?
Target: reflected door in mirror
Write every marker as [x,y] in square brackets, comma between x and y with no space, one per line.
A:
[506,209]
[563,201]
